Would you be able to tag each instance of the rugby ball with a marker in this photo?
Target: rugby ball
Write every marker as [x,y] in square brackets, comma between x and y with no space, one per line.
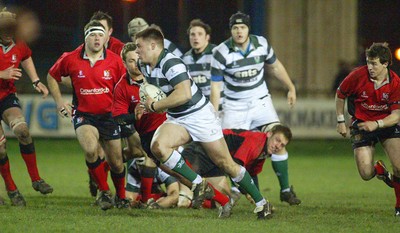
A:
[151,90]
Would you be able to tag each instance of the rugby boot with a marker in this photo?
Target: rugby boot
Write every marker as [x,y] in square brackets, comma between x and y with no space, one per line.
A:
[290,197]
[42,187]
[104,200]
[264,212]
[16,198]
[121,203]
[201,192]
[234,197]
[225,211]
[382,173]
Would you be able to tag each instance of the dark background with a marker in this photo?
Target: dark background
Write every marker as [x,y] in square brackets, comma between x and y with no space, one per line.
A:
[62,22]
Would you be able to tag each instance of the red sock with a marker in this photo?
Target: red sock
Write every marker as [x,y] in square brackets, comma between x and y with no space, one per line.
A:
[98,173]
[222,199]
[119,183]
[106,165]
[29,155]
[6,174]
[207,204]
[146,182]
[396,186]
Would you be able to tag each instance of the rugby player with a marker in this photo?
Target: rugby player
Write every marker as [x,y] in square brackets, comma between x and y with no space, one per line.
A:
[198,58]
[14,53]
[239,64]
[94,71]
[373,94]
[190,116]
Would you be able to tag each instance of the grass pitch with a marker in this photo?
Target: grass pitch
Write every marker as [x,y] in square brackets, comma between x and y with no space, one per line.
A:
[323,172]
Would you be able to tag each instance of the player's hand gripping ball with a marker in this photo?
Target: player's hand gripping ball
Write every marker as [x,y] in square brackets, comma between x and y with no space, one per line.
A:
[151,90]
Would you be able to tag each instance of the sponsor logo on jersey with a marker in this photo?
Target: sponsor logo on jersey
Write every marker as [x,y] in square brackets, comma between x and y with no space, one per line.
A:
[257,59]
[199,79]
[246,73]
[14,58]
[106,75]
[80,74]
[375,107]
[94,91]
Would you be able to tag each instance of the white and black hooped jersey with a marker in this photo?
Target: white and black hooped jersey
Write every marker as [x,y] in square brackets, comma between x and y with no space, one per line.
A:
[170,71]
[243,74]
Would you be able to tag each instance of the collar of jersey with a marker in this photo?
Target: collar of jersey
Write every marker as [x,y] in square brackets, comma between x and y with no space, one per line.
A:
[207,50]
[131,81]
[84,56]
[253,43]
[7,48]
[162,55]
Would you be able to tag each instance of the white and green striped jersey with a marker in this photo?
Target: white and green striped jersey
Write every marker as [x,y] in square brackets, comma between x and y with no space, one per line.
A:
[199,68]
[170,71]
[242,72]
[172,47]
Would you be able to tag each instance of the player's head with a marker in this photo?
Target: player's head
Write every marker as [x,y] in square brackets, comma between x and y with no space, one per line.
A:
[378,58]
[239,23]
[199,35]
[150,43]
[105,19]
[8,25]
[94,36]
[136,25]
[130,58]
[278,137]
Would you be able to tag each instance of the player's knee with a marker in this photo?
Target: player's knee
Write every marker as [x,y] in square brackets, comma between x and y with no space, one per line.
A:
[367,174]
[20,128]
[3,151]
[157,149]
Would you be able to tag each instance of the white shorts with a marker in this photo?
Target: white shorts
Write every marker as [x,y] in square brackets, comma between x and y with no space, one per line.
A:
[203,125]
[248,114]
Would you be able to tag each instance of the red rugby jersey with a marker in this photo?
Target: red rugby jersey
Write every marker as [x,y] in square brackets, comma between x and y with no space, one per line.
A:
[126,97]
[366,101]
[93,86]
[248,147]
[114,45]
[12,56]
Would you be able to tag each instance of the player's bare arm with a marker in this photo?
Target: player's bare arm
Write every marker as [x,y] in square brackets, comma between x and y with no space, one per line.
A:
[341,124]
[11,73]
[181,94]
[63,108]
[388,121]
[278,71]
[30,69]
[215,95]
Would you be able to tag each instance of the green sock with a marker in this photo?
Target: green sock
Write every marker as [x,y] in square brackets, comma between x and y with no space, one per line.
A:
[182,168]
[250,187]
[281,171]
